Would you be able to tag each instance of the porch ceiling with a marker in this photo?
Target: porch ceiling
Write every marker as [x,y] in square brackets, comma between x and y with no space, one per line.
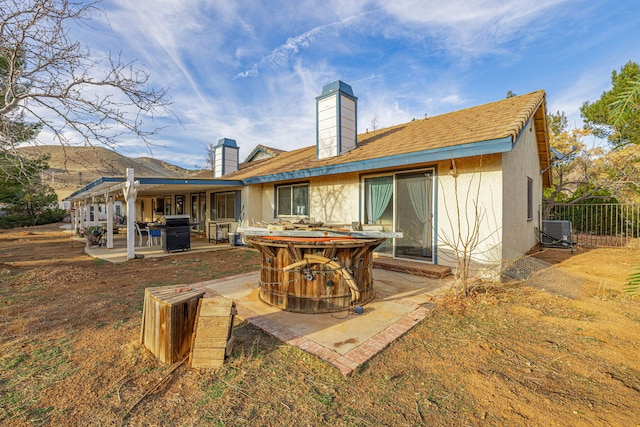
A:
[152,186]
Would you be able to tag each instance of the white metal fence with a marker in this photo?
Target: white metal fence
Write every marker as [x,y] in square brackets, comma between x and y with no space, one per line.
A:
[599,225]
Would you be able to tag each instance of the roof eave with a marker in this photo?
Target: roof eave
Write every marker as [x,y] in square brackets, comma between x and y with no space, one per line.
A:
[93,184]
[89,190]
[543,142]
[492,146]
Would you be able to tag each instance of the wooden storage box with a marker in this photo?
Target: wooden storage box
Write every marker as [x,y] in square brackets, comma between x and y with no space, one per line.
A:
[168,316]
[212,333]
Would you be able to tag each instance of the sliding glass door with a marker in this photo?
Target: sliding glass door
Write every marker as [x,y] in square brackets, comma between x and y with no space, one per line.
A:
[198,210]
[414,215]
[402,202]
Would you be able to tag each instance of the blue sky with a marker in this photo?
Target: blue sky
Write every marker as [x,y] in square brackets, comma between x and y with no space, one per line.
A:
[250,70]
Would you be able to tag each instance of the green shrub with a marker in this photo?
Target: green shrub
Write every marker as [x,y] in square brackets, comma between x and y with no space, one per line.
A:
[48,216]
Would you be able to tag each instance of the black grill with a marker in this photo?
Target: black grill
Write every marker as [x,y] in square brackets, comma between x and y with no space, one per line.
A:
[177,235]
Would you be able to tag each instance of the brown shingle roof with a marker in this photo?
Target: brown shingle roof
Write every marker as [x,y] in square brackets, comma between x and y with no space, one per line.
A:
[208,173]
[496,120]
[269,150]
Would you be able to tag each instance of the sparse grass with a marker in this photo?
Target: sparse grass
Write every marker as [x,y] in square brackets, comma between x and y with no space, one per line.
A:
[213,392]
[32,287]
[240,261]
[117,324]
[503,355]
[28,372]
[629,377]
[631,316]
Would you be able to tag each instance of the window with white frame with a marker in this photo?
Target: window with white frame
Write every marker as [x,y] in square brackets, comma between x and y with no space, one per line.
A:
[224,206]
[292,200]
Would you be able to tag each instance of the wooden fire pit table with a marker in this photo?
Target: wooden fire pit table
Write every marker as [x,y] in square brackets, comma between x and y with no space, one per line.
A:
[316,274]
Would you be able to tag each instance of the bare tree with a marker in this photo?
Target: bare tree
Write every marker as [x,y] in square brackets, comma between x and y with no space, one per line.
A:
[462,231]
[589,174]
[50,82]
[464,234]
[572,161]
[375,123]
[211,156]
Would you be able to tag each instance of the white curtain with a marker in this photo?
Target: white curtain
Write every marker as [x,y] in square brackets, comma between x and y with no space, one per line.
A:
[380,190]
[420,189]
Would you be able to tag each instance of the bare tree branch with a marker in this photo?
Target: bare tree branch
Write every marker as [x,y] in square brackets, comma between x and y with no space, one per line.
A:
[56,83]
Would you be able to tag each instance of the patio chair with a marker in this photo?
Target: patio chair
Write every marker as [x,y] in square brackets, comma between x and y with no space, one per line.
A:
[154,237]
[144,232]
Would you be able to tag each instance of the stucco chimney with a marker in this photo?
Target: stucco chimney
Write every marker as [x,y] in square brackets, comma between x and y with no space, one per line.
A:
[336,115]
[225,157]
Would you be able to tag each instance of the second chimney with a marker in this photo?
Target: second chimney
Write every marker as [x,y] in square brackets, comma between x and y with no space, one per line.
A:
[225,157]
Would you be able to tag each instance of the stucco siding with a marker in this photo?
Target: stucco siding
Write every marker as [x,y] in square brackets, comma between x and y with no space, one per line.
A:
[267,202]
[518,165]
[332,199]
[480,204]
[252,199]
[335,199]
[469,211]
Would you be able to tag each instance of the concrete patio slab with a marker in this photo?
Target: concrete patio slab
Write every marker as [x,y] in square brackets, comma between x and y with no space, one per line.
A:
[344,339]
[118,253]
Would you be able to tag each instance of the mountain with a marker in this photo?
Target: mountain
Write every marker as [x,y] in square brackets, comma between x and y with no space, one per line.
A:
[162,167]
[71,168]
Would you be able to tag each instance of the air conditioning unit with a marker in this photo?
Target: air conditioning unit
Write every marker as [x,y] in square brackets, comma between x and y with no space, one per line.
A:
[556,234]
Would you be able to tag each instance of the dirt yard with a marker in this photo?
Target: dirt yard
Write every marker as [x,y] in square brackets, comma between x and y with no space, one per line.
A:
[512,354]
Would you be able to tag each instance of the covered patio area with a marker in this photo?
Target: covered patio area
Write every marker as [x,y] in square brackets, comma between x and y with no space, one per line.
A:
[118,253]
[154,203]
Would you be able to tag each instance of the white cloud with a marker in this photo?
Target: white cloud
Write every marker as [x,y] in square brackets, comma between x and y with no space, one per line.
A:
[453,99]
[247,71]
[475,12]
[471,27]
[281,55]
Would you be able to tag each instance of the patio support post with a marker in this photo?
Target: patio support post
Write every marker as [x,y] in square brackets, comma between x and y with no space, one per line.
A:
[94,208]
[86,214]
[79,214]
[74,217]
[130,193]
[109,200]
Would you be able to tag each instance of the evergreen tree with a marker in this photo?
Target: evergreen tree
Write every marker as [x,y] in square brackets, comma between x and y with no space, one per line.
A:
[616,115]
[24,198]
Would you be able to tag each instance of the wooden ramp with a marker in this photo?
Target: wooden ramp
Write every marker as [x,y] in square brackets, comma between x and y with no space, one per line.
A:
[212,333]
[422,269]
